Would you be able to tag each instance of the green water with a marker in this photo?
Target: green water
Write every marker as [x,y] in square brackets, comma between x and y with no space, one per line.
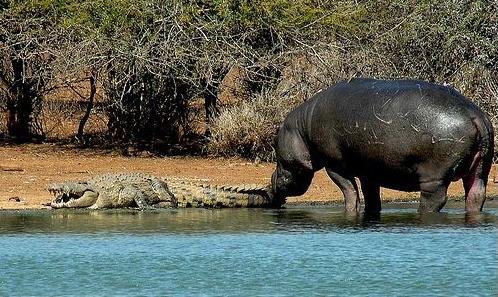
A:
[307,251]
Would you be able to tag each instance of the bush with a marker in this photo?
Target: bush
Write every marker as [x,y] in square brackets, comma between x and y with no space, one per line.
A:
[446,42]
[249,129]
[154,58]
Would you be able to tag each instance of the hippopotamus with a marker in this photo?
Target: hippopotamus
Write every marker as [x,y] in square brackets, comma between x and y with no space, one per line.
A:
[406,135]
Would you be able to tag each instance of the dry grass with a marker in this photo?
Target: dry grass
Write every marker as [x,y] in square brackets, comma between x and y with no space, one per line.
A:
[249,129]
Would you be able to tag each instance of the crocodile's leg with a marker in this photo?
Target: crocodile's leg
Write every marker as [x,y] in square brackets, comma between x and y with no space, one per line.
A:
[88,199]
[166,198]
[131,193]
[126,196]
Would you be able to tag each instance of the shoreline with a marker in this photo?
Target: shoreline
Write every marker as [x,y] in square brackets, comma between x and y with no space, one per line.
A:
[491,201]
[26,170]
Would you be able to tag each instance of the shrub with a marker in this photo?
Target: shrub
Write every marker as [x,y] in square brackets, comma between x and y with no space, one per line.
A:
[249,129]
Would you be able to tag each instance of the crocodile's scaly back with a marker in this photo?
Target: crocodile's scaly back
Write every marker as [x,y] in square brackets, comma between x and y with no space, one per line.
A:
[104,180]
[190,194]
[113,190]
[142,188]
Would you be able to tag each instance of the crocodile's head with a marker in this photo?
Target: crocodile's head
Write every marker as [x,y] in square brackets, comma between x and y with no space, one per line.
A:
[73,194]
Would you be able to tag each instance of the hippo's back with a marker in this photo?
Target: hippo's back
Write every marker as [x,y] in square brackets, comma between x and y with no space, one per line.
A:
[389,131]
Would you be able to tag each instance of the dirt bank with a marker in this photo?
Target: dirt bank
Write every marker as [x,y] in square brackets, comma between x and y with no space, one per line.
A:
[25,171]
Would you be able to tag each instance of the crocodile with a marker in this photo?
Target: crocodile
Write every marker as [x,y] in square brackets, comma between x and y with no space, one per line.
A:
[120,190]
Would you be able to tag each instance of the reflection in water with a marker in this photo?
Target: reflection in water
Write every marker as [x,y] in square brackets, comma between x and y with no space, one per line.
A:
[247,252]
[227,220]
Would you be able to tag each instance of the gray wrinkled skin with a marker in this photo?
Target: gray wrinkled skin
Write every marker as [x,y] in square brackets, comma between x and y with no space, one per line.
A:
[401,134]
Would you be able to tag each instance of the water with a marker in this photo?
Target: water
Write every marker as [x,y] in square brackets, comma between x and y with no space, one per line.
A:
[307,251]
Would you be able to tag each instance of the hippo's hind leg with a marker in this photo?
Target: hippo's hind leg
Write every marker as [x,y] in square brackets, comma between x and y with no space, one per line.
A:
[371,194]
[475,193]
[474,184]
[348,188]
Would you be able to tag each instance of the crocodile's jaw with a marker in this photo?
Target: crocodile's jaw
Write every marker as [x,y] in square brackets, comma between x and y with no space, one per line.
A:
[67,201]
[73,195]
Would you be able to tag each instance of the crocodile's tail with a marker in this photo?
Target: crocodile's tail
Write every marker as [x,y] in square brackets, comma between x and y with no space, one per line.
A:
[191,194]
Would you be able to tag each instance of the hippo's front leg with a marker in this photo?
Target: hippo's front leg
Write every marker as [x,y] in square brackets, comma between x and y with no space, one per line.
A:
[348,188]
[371,195]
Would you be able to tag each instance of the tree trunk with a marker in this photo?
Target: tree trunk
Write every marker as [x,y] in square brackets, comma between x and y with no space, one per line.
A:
[89,107]
[210,105]
[20,104]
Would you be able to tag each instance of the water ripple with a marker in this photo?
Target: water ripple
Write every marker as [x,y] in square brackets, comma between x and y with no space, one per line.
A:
[247,252]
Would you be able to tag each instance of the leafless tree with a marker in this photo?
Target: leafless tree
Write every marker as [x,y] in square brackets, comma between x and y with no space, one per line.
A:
[25,70]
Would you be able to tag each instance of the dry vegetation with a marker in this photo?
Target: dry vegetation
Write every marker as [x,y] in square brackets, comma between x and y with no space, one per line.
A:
[157,75]
[249,128]
[213,76]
